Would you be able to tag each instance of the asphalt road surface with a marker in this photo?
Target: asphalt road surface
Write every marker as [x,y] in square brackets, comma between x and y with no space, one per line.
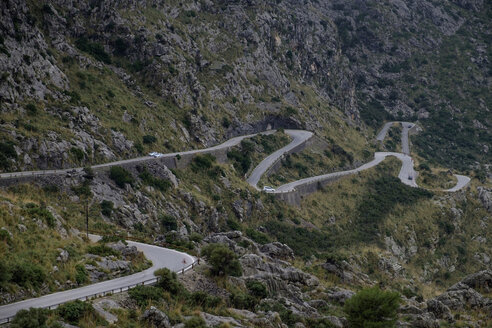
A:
[462,182]
[227,144]
[407,174]
[160,257]
[177,261]
[298,137]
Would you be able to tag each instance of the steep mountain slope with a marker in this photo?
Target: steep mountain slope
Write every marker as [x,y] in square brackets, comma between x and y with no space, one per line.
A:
[92,81]
[204,70]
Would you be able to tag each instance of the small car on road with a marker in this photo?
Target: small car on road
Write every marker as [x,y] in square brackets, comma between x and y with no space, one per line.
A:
[268,189]
[156,154]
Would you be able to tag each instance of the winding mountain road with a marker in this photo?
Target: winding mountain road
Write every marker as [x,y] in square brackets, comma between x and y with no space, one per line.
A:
[160,257]
[299,137]
[227,144]
[178,261]
[407,174]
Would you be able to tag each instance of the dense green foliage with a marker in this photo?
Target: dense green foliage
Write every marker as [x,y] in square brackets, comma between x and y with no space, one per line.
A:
[206,164]
[94,49]
[27,274]
[384,194]
[34,211]
[195,322]
[257,289]
[150,180]
[222,259]
[241,300]
[257,236]
[120,176]
[168,222]
[72,312]
[32,318]
[168,281]
[143,294]
[149,139]
[204,300]
[107,207]
[7,153]
[372,307]
[304,242]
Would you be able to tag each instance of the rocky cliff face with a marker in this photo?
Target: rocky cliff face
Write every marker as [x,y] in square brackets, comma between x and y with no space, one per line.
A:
[204,67]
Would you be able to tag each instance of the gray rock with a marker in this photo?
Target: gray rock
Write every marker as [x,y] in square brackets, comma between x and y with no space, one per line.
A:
[102,306]
[125,250]
[336,321]
[215,321]
[114,265]
[485,196]
[423,320]
[278,251]
[460,296]
[339,295]
[63,257]
[480,281]
[440,310]
[156,317]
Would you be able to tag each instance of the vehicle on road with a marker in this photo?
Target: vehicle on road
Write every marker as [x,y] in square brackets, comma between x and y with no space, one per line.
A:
[410,177]
[268,189]
[156,154]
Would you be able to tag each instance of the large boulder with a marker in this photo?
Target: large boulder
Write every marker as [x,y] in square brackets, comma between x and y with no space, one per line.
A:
[485,196]
[440,310]
[125,250]
[278,250]
[460,296]
[480,281]
[156,318]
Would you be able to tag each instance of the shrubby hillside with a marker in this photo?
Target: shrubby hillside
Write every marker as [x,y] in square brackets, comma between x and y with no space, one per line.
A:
[93,81]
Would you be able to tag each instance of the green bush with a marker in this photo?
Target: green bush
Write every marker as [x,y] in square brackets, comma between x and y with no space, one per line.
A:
[304,242]
[31,108]
[195,322]
[257,236]
[5,275]
[120,176]
[372,307]
[233,224]
[77,153]
[240,159]
[83,189]
[27,274]
[149,179]
[102,250]
[81,276]
[168,222]
[168,281]
[222,259]
[7,152]
[107,207]
[89,173]
[5,236]
[241,300]
[73,311]
[257,289]
[143,294]
[203,162]
[32,318]
[94,49]
[384,194]
[149,139]
[204,300]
